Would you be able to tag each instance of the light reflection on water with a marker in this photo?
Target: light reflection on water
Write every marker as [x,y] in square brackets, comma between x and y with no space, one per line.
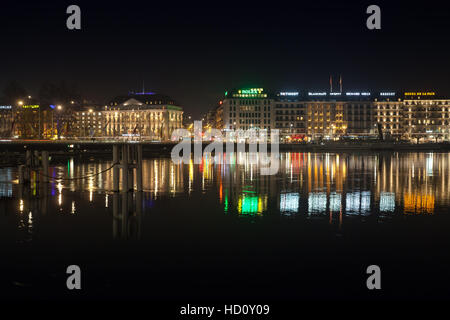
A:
[312,185]
[315,225]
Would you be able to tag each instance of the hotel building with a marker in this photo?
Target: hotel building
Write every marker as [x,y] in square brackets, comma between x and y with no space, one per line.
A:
[311,116]
[332,115]
[388,114]
[290,115]
[426,116]
[247,108]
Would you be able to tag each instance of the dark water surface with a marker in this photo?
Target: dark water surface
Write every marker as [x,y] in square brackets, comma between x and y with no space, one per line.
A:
[224,232]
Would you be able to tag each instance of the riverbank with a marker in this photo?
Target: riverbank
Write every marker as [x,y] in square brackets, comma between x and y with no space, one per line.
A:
[12,152]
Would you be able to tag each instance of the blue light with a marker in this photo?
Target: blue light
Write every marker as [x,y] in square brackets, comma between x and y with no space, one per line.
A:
[52,106]
[142,93]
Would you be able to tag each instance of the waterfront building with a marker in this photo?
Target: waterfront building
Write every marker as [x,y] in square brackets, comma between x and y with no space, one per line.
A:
[388,114]
[247,109]
[317,115]
[144,115]
[6,120]
[426,117]
[90,122]
[358,116]
[32,120]
[333,115]
[290,116]
[299,116]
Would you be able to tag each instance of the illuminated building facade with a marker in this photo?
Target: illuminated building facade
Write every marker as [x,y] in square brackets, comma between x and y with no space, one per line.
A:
[334,115]
[309,116]
[6,121]
[388,109]
[426,118]
[145,115]
[331,115]
[325,119]
[33,121]
[90,122]
[247,109]
[290,116]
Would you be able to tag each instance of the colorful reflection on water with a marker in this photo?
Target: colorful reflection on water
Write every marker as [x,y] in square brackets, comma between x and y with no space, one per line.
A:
[312,185]
[319,221]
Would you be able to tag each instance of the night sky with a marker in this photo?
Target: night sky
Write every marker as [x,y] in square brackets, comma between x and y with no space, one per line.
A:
[194,51]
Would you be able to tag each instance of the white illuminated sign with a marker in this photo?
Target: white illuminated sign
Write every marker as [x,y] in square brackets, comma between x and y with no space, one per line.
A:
[387,94]
[317,93]
[5,107]
[335,93]
[357,93]
[290,94]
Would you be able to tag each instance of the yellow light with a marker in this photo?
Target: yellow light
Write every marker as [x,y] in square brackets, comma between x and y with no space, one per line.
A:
[20,102]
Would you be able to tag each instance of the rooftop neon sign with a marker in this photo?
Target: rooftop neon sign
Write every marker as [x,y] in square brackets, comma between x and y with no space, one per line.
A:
[419,93]
[31,106]
[289,94]
[357,93]
[250,93]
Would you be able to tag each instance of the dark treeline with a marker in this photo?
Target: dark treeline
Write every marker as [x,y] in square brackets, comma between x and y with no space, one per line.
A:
[48,93]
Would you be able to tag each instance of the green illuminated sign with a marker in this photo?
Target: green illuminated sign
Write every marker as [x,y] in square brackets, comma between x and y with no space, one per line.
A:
[250,93]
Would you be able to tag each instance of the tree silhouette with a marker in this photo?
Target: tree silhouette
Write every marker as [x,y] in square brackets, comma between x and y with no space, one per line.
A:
[13,92]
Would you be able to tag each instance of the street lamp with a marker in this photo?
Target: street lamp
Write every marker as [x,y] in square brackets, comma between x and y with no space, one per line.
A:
[20,102]
[58,108]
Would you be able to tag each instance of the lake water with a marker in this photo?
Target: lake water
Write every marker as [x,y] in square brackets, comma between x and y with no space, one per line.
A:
[211,232]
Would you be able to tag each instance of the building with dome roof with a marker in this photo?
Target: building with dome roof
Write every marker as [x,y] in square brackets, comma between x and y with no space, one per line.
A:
[146,115]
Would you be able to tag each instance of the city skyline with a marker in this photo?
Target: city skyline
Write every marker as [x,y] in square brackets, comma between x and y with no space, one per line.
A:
[204,50]
[224,159]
